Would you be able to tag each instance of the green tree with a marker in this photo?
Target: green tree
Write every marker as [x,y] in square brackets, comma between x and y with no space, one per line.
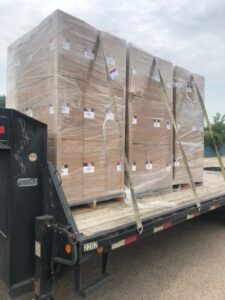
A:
[218,129]
[2,101]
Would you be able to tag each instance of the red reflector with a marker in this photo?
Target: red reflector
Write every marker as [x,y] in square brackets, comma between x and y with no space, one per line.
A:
[2,129]
[196,213]
[167,225]
[130,239]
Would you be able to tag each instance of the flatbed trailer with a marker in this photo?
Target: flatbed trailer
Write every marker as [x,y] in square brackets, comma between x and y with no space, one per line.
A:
[40,232]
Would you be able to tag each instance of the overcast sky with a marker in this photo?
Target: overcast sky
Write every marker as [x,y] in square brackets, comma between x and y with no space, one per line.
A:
[188,33]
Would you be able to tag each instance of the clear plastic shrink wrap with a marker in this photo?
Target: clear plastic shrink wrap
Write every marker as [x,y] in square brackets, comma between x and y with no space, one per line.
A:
[190,123]
[148,127]
[57,74]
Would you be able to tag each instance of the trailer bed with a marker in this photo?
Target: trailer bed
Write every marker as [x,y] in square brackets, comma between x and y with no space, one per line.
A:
[110,216]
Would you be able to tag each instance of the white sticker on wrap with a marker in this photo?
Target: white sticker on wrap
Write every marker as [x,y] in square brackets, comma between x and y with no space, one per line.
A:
[89,168]
[111,61]
[194,128]
[176,163]
[66,45]
[118,167]
[168,126]
[89,113]
[110,116]
[189,90]
[149,165]
[156,77]
[65,109]
[29,112]
[134,120]
[64,171]
[88,54]
[134,167]
[114,73]
[133,71]
[51,110]
[157,123]
[178,126]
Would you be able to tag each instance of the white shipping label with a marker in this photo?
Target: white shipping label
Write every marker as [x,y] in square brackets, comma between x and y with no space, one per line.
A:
[89,168]
[51,110]
[66,45]
[64,172]
[134,120]
[119,167]
[114,73]
[134,167]
[88,54]
[89,113]
[177,84]
[176,163]
[37,249]
[65,109]
[149,165]
[29,112]
[133,71]
[111,61]
[157,123]
[168,126]
[110,116]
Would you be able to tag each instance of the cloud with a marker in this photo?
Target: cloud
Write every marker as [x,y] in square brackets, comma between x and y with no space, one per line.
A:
[188,33]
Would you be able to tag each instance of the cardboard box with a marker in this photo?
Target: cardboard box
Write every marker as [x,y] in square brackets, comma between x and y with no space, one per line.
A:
[149,129]
[190,124]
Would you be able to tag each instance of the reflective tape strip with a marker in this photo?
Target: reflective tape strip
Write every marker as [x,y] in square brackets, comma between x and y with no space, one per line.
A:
[217,205]
[194,214]
[162,227]
[157,229]
[212,207]
[118,244]
[129,240]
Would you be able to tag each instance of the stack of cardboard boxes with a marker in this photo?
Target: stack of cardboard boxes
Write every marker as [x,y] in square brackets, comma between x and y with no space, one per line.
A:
[149,129]
[73,78]
[63,73]
[190,123]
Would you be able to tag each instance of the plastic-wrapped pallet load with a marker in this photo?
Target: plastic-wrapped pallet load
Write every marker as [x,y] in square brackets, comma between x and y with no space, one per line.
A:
[57,73]
[149,129]
[190,123]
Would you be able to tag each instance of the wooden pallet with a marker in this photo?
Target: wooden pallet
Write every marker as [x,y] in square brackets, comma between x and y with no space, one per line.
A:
[184,186]
[97,204]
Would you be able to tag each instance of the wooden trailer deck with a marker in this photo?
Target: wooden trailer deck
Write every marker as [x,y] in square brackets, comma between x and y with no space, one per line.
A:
[114,215]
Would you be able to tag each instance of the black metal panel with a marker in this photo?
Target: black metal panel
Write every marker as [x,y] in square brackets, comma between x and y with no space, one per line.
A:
[23,143]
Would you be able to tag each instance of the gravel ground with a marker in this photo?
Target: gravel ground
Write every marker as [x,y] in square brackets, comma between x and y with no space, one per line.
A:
[184,262]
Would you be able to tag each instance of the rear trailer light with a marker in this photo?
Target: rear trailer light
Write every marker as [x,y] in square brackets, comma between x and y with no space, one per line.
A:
[2,129]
